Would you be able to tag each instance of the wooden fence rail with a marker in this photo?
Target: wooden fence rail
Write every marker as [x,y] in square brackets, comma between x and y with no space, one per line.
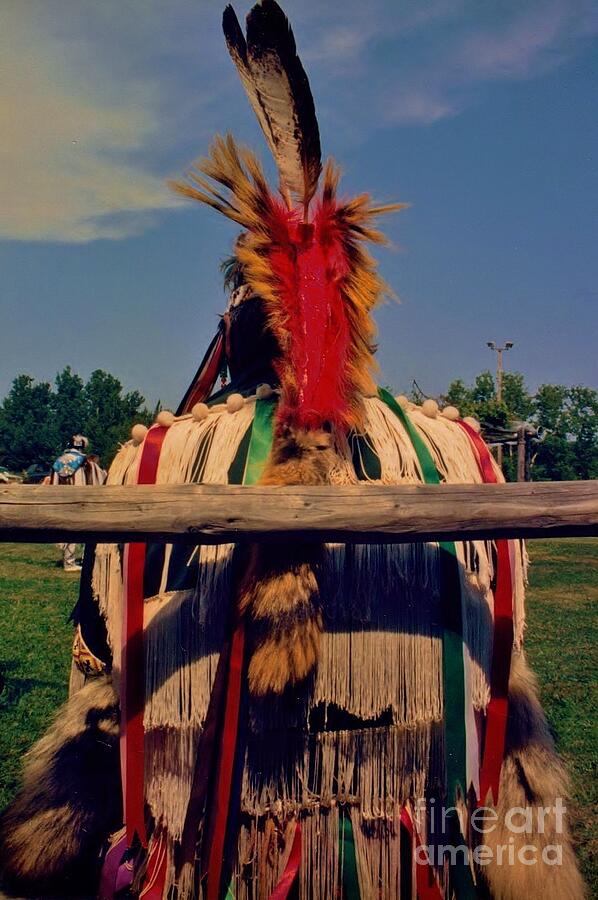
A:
[364,513]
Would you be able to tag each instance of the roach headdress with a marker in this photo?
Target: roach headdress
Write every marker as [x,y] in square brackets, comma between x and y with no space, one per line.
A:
[303,251]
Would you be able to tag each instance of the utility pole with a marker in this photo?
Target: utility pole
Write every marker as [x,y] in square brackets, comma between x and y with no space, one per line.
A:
[521,453]
[499,376]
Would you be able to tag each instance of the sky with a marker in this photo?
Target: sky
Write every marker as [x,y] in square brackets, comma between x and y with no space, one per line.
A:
[483,117]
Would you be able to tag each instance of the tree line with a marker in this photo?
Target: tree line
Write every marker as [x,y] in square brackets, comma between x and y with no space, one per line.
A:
[38,419]
[566,420]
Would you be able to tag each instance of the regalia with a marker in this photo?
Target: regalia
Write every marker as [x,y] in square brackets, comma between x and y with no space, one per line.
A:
[291,718]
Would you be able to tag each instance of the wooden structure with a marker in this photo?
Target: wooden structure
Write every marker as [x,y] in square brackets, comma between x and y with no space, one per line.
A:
[195,514]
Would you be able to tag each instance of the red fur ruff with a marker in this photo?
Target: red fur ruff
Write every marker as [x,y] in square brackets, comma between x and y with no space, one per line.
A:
[309,263]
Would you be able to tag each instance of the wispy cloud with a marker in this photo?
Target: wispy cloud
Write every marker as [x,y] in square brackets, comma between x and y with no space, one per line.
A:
[69,135]
[521,48]
[530,42]
[100,104]
[419,106]
[343,40]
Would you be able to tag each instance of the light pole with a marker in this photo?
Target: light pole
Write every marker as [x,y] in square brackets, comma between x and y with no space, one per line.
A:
[499,375]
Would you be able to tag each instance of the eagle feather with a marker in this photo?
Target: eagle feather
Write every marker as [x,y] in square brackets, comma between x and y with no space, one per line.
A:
[279,93]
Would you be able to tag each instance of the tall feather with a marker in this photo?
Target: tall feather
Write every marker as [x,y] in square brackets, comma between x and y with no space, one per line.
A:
[279,93]
[237,47]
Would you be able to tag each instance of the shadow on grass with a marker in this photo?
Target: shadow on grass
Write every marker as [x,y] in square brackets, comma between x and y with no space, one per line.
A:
[13,688]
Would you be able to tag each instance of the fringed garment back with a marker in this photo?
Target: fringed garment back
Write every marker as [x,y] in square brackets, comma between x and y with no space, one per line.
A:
[363,736]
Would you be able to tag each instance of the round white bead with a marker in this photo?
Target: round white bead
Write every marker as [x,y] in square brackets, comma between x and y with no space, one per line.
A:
[473,423]
[138,433]
[403,401]
[200,411]
[263,392]
[235,402]
[450,412]
[430,408]
[165,418]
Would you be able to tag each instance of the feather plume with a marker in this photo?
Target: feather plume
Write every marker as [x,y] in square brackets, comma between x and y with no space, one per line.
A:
[318,282]
[279,93]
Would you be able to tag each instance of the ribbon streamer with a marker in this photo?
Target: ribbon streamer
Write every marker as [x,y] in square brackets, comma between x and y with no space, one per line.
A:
[291,870]
[133,660]
[452,641]
[348,859]
[205,378]
[425,877]
[498,708]
[457,707]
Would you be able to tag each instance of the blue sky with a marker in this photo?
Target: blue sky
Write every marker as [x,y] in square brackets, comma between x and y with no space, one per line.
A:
[482,116]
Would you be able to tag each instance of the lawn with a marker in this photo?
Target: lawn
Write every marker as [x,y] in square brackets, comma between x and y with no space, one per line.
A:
[36,597]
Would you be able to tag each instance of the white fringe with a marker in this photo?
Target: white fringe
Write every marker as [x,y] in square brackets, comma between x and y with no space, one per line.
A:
[378,853]
[392,445]
[381,650]
[450,448]
[520,568]
[124,466]
[381,656]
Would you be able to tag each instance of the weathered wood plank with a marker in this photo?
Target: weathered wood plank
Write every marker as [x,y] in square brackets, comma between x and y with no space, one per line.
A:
[362,513]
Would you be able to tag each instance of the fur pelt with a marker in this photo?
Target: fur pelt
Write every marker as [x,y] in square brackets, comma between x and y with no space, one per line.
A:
[49,844]
[532,777]
[52,835]
[279,593]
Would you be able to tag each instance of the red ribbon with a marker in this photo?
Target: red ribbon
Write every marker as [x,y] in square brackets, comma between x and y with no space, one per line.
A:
[226,763]
[498,708]
[157,865]
[287,879]
[133,660]
[205,379]
[425,876]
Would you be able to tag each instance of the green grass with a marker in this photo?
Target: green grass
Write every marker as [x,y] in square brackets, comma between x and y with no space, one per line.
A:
[562,647]
[36,597]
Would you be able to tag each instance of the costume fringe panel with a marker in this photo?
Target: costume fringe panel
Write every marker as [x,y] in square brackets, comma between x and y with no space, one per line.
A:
[381,661]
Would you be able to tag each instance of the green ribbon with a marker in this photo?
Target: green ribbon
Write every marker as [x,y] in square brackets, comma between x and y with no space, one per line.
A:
[365,459]
[348,858]
[424,457]
[236,471]
[455,738]
[260,442]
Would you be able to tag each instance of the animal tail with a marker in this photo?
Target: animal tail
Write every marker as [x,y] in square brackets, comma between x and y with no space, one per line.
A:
[279,593]
[537,859]
[52,834]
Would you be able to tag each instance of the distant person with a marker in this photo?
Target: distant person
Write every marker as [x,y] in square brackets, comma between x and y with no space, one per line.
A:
[74,466]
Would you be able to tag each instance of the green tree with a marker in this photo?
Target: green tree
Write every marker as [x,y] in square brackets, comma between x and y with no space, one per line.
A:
[549,405]
[567,419]
[459,395]
[28,433]
[483,390]
[581,418]
[570,418]
[554,459]
[481,399]
[110,413]
[515,396]
[68,404]
[36,422]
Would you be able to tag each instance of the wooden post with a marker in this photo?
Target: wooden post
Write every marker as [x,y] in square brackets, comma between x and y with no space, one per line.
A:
[365,513]
[521,452]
